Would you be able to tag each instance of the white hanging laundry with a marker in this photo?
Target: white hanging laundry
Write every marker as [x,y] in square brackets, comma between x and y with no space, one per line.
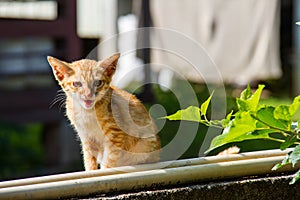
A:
[240,37]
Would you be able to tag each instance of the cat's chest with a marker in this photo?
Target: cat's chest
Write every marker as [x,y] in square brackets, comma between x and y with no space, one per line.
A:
[86,124]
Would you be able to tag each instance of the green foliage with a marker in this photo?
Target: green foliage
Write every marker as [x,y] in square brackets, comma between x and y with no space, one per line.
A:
[253,121]
[292,158]
[248,101]
[20,148]
[192,113]
[171,101]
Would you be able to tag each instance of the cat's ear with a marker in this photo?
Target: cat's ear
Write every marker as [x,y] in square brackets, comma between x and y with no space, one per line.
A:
[110,64]
[60,68]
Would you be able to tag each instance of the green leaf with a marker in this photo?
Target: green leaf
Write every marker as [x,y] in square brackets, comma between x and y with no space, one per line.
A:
[226,121]
[286,112]
[215,123]
[294,109]
[246,94]
[238,129]
[277,166]
[191,113]
[249,101]
[295,155]
[292,157]
[284,162]
[282,112]
[288,142]
[294,106]
[204,106]
[295,178]
[266,116]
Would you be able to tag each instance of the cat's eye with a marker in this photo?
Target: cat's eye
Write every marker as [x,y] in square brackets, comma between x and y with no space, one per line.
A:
[77,84]
[98,83]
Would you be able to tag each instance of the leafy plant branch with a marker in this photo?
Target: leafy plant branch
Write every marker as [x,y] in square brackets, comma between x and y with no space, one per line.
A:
[284,132]
[252,121]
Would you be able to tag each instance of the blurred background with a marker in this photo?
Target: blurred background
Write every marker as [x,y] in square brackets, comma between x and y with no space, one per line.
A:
[250,42]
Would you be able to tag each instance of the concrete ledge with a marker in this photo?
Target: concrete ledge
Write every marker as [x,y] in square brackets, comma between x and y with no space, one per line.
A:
[273,188]
[196,178]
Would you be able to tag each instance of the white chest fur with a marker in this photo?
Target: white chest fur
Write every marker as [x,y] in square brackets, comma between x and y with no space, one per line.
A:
[86,124]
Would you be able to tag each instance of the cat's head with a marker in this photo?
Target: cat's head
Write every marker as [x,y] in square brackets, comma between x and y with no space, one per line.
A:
[86,81]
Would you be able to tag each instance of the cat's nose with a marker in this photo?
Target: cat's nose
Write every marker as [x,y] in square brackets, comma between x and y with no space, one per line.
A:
[88,94]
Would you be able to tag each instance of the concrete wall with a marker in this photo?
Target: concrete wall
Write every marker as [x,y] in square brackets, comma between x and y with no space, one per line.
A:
[272,188]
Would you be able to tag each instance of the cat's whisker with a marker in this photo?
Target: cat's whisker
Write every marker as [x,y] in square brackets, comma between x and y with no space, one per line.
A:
[60,96]
[60,99]
[62,105]
[61,92]
[56,99]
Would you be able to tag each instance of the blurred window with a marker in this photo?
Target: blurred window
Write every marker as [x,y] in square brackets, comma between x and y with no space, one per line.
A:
[29,9]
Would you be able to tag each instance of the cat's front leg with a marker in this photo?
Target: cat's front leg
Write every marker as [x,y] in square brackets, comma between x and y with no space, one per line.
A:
[111,156]
[90,161]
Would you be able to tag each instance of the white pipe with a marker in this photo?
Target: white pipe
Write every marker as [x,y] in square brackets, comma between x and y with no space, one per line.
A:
[127,169]
[137,180]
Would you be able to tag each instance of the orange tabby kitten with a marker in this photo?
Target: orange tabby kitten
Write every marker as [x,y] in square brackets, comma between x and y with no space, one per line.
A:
[113,126]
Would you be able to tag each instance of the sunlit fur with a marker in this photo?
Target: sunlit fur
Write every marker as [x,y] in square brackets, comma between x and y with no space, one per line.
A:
[114,127]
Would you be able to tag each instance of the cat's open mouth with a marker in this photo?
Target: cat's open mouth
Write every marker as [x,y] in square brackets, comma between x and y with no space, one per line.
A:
[88,103]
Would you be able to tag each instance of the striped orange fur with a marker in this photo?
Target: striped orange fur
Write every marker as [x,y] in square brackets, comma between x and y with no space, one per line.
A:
[114,127]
